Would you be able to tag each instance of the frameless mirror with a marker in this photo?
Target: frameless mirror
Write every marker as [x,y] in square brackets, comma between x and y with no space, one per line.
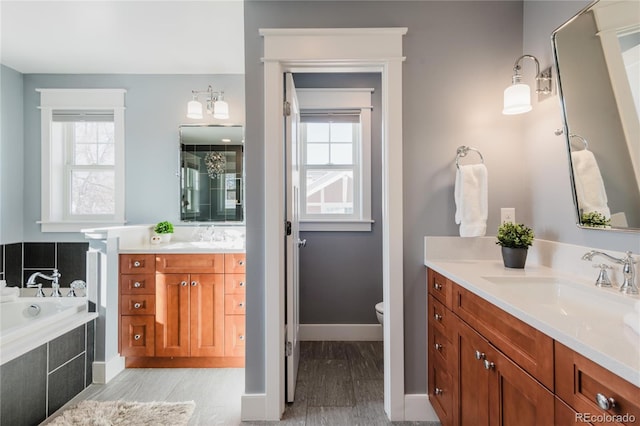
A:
[597,58]
[211,173]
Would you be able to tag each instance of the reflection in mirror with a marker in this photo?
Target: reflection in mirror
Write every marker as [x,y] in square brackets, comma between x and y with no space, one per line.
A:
[211,173]
[597,56]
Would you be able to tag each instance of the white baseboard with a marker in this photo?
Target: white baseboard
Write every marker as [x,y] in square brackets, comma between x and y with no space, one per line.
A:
[253,407]
[417,408]
[103,372]
[340,332]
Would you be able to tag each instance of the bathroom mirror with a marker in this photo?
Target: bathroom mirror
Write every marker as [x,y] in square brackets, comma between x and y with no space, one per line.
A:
[211,173]
[597,58]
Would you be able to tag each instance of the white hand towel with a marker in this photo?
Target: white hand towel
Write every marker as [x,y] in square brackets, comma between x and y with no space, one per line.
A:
[590,190]
[9,294]
[471,197]
[632,319]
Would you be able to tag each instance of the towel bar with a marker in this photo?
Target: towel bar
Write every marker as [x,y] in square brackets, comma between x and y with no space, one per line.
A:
[463,150]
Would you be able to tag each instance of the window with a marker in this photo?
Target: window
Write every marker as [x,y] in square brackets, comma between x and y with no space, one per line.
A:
[82,158]
[335,167]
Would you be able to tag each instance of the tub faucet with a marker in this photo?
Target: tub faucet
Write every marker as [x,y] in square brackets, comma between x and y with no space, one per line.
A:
[629,285]
[55,285]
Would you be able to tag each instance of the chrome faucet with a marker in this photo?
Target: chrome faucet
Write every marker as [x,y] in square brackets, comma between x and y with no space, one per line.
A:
[54,277]
[629,285]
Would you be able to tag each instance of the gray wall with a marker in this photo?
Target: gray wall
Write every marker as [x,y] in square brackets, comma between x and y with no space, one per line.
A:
[459,60]
[11,156]
[341,272]
[155,107]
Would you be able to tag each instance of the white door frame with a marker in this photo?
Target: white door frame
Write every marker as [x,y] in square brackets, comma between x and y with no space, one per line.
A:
[334,50]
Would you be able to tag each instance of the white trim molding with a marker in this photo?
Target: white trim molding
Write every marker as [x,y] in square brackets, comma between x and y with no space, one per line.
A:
[103,372]
[351,50]
[417,408]
[253,407]
[341,332]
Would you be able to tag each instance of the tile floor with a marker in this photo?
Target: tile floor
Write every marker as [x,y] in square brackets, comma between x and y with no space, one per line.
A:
[339,384]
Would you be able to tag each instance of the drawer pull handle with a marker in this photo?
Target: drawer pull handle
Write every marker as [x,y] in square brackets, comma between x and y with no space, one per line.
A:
[137,284]
[241,337]
[604,402]
[241,262]
[437,286]
[183,283]
[194,283]
[136,264]
[137,337]
[438,317]
[137,305]
[241,284]
[489,365]
[438,346]
[241,304]
[438,391]
[480,355]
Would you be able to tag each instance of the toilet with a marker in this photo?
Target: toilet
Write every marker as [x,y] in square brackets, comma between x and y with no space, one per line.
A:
[380,312]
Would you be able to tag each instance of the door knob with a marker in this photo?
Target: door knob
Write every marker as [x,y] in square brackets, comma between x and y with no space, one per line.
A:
[302,243]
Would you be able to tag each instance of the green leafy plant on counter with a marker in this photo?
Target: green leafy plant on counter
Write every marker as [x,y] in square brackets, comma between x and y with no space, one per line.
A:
[595,220]
[514,235]
[163,228]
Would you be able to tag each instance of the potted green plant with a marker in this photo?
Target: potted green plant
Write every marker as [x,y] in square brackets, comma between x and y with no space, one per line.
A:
[595,220]
[164,230]
[515,239]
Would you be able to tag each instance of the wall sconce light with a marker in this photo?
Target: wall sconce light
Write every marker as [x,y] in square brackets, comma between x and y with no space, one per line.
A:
[214,101]
[517,97]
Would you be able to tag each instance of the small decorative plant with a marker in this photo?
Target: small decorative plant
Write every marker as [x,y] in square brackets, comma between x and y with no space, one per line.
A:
[514,235]
[163,228]
[595,220]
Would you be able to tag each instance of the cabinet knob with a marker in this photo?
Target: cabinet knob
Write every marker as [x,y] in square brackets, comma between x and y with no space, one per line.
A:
[438,346]
[136,264]
[194,283]
[241,337]
[137,305]
[137,337]
[489,365]
[438,391]
[183,283]
[241,304]
[241,283]
[480,355]
[241,262]
[437,286]
[604,402]
[137,284]
[438,317]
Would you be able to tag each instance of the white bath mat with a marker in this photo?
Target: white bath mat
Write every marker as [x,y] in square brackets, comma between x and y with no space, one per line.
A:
[121,413]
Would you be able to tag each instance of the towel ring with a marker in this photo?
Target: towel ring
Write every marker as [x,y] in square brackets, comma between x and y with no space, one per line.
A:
[463,150]
[584,141]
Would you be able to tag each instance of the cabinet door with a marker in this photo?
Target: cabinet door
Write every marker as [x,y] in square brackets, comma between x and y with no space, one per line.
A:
[473,377]
[207,314]
[515,397]
[172,314]
[234,335]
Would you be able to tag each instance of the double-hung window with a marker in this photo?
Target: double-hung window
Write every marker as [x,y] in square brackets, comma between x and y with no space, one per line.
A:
[335,167]
[82,158]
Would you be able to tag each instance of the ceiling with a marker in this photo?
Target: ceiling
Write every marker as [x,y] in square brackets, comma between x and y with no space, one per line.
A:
[123,36]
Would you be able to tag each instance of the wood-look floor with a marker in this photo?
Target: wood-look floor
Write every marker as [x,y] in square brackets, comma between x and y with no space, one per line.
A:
[339,384]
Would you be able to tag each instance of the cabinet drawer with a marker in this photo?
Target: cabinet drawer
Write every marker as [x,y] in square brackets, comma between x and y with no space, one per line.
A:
[567,416]
[234,263]
[192,263]
[441,391]
[137,335]
[137,263]
[234,337]
[440,287]
[529,348]
[579,381]
[235,283]
[137,284]
[440,318]
[441,347]
[234,304]
[137,304]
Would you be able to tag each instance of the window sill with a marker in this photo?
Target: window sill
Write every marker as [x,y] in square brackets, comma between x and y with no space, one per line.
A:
[336,225]
[75,226]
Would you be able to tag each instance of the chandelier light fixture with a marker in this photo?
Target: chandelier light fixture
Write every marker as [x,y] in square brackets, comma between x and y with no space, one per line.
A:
[214,101]
[216,163]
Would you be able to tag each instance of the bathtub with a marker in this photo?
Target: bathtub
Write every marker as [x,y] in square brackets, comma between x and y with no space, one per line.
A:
[30,322]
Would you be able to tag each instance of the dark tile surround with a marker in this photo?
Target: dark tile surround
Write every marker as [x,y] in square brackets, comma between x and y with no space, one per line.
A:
[19,260]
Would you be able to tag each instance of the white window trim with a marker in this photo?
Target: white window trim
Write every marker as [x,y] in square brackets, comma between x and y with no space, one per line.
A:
[345,98]
[52,192]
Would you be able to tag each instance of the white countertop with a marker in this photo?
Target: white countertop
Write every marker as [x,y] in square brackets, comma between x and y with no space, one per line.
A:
[577,314]
[185,247]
